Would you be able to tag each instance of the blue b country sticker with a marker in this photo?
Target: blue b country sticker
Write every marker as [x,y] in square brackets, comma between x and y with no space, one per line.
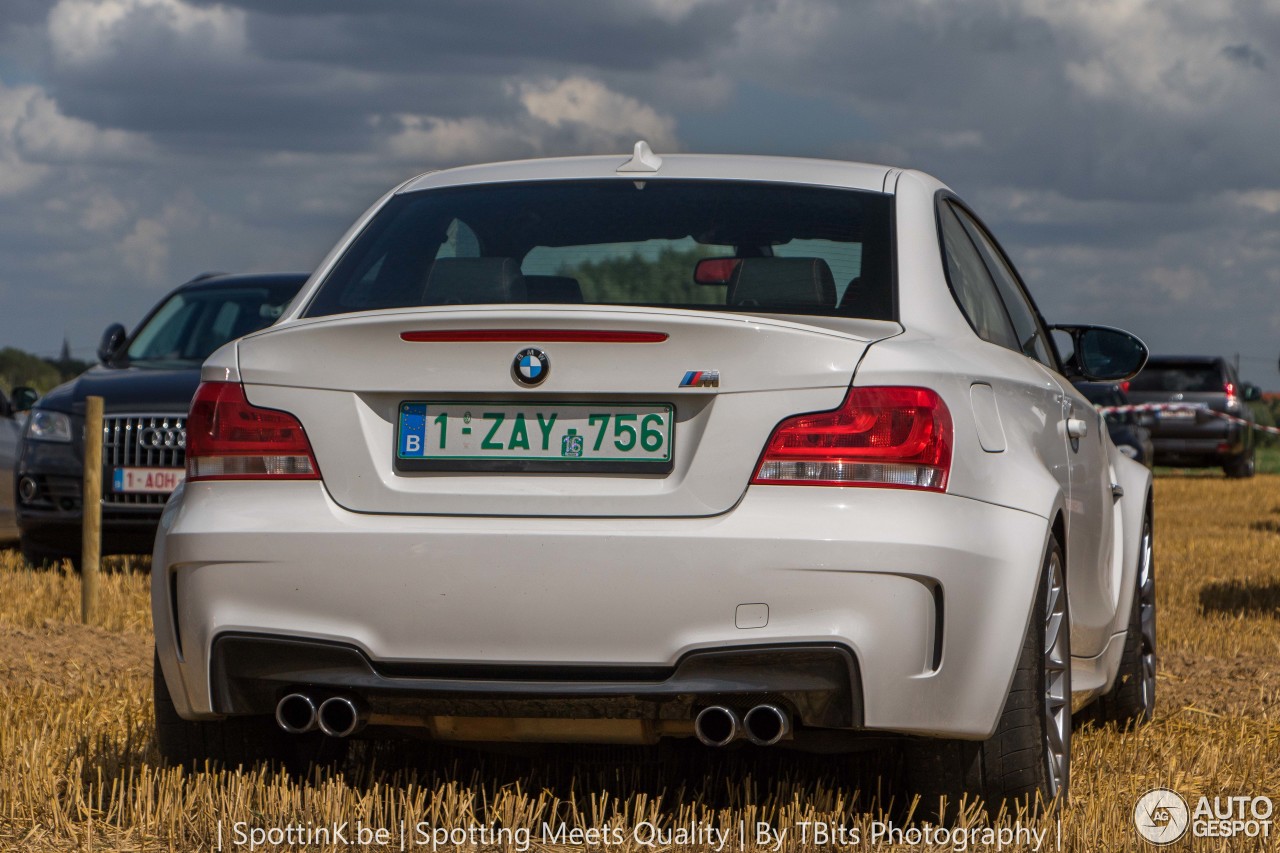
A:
[413,430]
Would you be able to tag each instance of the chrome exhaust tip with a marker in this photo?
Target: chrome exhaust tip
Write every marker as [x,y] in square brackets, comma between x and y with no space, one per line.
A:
[717,725]
[766,725]
[340,716]
[296,713]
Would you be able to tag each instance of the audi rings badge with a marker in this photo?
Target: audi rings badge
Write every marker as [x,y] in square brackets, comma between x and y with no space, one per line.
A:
[157,437]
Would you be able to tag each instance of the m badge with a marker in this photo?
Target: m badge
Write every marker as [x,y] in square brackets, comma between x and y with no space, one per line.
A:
[701,379]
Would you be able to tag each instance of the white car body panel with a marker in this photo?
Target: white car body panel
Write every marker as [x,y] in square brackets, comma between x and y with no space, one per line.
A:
[432,588]
[716,426]
[547,569]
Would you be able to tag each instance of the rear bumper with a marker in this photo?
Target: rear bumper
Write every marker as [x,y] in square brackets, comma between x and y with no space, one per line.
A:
[1199,451]
[819,683]
[928,595]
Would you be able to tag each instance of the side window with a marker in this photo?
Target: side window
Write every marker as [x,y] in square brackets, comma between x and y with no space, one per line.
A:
[972,284]
[1032,340]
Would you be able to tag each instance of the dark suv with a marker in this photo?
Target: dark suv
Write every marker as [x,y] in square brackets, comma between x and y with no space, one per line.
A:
[1194,436]
[146,381]
[1128,430]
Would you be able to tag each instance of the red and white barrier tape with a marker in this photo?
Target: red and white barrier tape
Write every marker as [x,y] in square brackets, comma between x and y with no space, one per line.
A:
[1194,407]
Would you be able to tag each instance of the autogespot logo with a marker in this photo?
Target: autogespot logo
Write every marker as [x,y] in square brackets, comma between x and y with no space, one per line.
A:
[1161,816]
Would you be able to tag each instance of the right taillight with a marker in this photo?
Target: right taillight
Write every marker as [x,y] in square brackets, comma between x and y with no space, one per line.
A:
[896,437]
[230,439]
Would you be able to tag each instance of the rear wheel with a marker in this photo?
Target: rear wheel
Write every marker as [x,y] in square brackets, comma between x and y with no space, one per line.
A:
[1028,759]
[1242,466]
[234,741]
[1132,699]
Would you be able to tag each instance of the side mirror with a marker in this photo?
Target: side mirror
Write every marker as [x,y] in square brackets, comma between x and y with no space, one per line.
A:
[112,341]
[24,398]
[1104,354]
[1252,393]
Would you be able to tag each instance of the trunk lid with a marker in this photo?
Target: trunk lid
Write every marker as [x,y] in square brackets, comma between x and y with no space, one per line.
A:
[346,378]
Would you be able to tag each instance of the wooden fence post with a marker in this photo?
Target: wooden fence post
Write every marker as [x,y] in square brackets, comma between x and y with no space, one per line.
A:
[91,537]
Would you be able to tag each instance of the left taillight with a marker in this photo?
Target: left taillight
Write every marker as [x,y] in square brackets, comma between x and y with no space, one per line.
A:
[230,439]
[880,436]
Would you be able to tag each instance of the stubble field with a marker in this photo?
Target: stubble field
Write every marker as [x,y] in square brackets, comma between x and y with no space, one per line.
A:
[79,771]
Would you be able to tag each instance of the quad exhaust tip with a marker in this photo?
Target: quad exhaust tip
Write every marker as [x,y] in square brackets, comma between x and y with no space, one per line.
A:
[717,725]
[766,725]
[340,716]
[763,725]
[296,713]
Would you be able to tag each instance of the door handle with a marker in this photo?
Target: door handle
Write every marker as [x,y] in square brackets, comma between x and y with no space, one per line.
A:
[1077,428]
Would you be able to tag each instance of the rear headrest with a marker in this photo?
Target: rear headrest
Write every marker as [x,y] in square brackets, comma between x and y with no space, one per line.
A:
[560,289]
[473,281]
[782,283]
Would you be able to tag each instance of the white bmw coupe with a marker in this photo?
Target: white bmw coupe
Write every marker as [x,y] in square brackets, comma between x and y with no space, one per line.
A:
[615,449]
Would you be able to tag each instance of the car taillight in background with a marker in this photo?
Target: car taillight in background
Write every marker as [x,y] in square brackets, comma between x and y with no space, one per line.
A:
[880,436]
[1230,390]
[229,439]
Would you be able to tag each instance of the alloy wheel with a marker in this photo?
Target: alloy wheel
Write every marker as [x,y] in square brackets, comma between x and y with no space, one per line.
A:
[1057,696]
[1147,619]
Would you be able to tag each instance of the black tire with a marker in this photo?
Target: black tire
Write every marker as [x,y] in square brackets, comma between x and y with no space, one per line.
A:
[1241,467]
[1027,760]
[1131,701]
[234,741]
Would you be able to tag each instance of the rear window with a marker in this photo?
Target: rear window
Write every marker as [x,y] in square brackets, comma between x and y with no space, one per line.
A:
[1179,376]
[788,249]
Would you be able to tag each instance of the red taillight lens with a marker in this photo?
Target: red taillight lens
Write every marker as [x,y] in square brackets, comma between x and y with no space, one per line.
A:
[897,437]
[229,439]
[1230,389]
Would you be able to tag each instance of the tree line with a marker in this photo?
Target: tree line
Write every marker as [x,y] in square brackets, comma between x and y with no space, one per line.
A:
[22,368]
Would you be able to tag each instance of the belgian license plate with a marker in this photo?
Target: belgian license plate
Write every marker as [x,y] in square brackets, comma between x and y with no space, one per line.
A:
[502,436]
[147,481]
[1178,415]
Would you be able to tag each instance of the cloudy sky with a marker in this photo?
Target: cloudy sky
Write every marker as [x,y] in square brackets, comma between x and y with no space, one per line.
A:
[1127,152]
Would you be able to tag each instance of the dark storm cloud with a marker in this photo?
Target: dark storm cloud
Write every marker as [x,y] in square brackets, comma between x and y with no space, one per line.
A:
[1073,107]
[310,76]
[1245,55]
[485,36]
[1124,152]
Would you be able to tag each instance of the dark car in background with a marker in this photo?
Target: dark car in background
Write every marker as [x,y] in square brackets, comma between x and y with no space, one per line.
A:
[1128,430]
[10,429]
[1192,434]
[146,381]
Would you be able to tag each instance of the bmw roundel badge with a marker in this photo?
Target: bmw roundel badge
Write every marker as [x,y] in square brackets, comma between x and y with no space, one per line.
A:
[531,366]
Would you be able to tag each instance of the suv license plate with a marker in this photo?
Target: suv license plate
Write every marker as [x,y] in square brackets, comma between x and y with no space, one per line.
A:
[147,481]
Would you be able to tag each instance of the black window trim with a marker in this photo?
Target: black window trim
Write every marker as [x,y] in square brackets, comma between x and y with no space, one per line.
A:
[948,197]
[940,199]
